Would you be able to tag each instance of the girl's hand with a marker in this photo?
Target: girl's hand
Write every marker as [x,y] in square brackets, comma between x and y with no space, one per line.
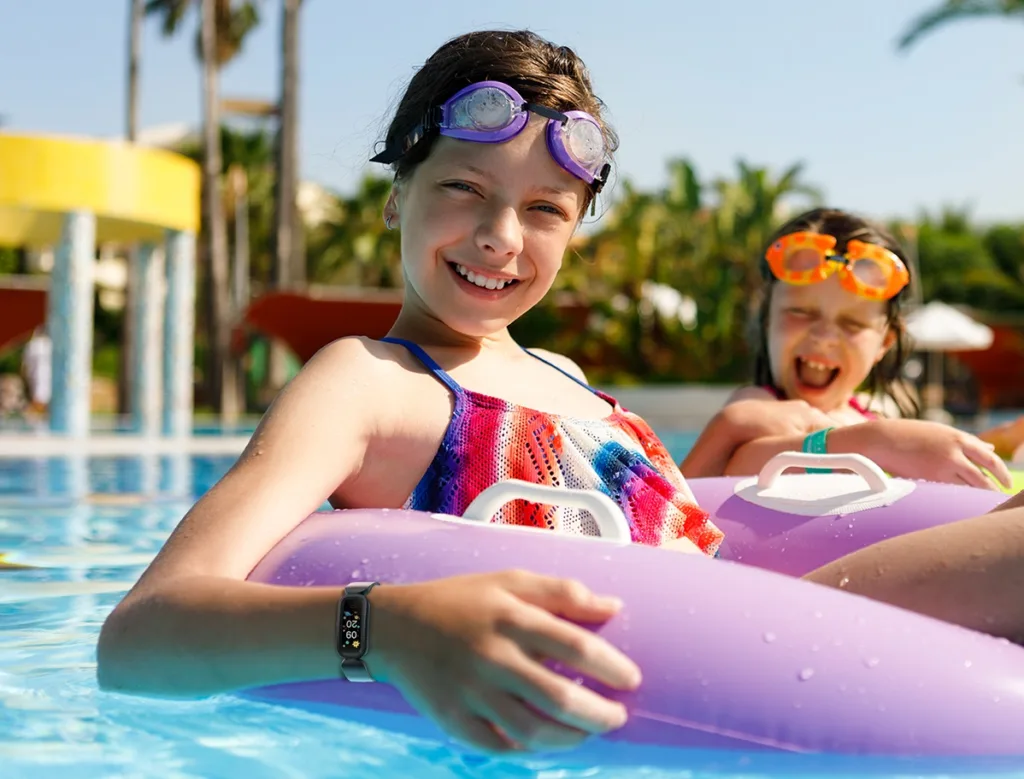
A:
[917,449]
[469,652]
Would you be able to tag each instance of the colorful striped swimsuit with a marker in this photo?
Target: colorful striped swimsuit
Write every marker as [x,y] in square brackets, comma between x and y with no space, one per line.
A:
[489,440]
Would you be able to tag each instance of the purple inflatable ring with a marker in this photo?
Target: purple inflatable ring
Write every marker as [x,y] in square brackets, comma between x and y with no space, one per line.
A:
[737,657]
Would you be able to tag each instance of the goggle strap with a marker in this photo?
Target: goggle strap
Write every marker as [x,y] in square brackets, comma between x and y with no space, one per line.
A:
[547,113]
[393,153]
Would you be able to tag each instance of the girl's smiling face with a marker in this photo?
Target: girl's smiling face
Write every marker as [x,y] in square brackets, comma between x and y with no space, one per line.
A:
[823,341]
[484,228]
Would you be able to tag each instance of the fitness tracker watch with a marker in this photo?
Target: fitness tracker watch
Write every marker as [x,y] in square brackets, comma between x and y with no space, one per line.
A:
[353,630]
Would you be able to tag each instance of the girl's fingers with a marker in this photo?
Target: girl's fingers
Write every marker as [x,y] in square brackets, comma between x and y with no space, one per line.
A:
[543,634]
[562,699]
[982,455]
[971,475]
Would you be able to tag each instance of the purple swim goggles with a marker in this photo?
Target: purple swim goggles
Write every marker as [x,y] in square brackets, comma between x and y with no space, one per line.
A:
[493,112]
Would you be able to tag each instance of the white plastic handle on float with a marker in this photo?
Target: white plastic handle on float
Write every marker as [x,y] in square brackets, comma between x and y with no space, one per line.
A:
[875,477]
[609,517]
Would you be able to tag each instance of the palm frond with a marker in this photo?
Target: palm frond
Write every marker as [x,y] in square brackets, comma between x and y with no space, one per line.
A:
[954,10]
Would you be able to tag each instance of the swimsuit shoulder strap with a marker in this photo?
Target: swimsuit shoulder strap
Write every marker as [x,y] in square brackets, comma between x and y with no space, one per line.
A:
[429,363]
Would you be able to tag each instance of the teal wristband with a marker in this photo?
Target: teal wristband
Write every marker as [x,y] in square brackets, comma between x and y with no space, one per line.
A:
[817,443]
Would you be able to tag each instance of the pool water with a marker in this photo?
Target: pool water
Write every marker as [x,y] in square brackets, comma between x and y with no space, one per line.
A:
[76,532]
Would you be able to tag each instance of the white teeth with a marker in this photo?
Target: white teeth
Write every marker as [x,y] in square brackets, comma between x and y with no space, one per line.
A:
[816,365]
[479,279]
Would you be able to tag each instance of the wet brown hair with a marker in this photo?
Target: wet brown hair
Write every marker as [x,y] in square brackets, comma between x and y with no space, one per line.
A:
[886,377]
[543,73]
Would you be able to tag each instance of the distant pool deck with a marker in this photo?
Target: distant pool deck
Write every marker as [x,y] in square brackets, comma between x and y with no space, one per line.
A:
[22,445]
[666,408]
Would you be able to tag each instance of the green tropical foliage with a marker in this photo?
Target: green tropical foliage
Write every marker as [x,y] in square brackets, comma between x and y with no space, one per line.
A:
[668,280]
[956,11]
[235,20]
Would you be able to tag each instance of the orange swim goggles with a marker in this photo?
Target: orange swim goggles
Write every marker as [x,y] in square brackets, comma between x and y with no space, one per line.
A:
[865,269]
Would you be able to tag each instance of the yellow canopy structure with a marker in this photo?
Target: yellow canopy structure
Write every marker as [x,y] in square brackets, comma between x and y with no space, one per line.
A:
[75,193]
[136,193]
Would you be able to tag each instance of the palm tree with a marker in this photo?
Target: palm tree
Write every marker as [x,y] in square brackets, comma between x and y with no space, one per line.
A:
[289,268]
[289,246]
[136,13]
[234,20]
[125,384]
[223,28]
[956,10]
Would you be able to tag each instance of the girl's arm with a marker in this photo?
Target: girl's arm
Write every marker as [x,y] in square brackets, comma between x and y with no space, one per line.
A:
[192,625]
[907,448]
[970,573]
[749,414]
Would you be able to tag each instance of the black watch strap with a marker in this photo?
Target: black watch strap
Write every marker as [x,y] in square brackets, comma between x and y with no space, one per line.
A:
[353,631]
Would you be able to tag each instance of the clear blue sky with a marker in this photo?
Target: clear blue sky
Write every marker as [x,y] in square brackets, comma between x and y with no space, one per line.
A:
[775,82]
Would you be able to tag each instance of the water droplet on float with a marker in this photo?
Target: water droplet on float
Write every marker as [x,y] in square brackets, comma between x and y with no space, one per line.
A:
[818,615]
[871,662]
[356,574]
[691,610]
[365,561]
[394,556]
[968,663]
[815,647]
[578,680]
[806,674]
[769,638]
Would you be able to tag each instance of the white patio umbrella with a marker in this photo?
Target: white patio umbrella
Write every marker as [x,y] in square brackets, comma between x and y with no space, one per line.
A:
[938,327]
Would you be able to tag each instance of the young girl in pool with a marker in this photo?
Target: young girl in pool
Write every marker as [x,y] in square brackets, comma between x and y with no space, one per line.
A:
[498,149]
[487,196]
[830,323]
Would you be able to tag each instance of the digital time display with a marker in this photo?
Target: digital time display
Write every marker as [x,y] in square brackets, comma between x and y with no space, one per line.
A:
[351,626]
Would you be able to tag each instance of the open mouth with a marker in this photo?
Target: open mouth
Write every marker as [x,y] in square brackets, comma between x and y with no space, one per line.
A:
[478,279]
[814,374]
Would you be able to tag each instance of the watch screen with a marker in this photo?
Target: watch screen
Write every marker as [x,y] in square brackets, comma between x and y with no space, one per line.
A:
[351,624]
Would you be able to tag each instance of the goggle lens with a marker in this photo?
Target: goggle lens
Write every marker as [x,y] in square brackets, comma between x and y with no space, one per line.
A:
[486,109]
